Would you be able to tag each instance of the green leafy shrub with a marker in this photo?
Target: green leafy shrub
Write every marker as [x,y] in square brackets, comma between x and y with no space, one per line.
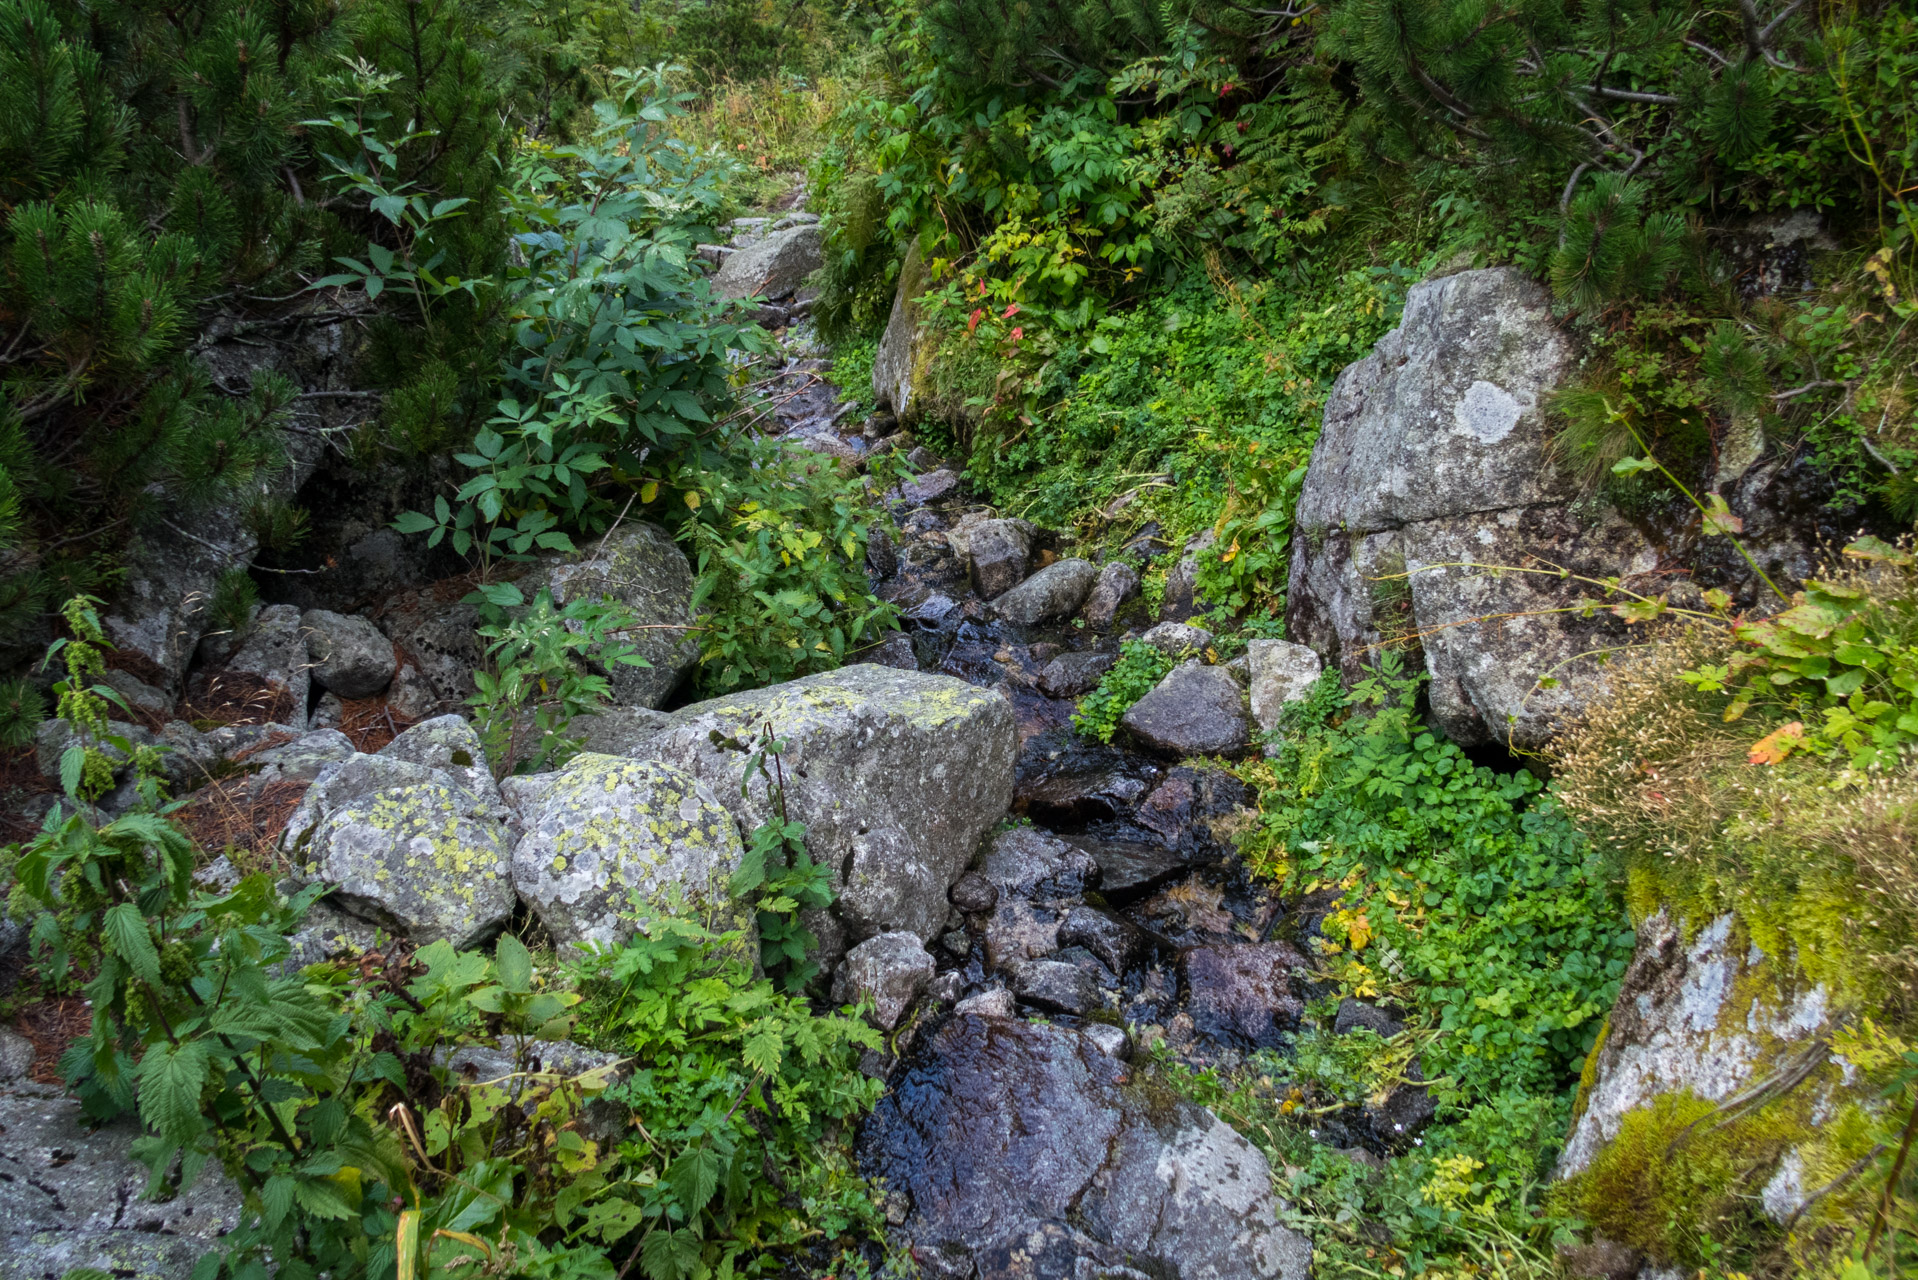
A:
[779,540]
[1140,667]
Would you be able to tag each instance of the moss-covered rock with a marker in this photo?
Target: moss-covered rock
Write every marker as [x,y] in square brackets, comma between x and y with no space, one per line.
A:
[612,842]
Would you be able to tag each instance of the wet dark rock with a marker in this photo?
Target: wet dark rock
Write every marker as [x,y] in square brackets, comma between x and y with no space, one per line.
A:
[896,651]
[1026,862]
[1181,599]
[1057,986]
[890,969]
[1405,1112]
[1003,1131]
[973,893]
[1195,710]
[1354,1014]
[1184,807]
[958,942]
[1117,584]
[1130,869]
[946,988]
[931,611]
[882,558]
[998,553]
[1050,595]
[1072,675]
[1062,778]
[934,486]
[1115,940]
[1246,993]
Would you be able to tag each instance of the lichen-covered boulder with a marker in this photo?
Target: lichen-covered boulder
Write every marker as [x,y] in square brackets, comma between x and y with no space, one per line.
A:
[896,774]
[405,847]
[1432,470]
[612,842]
[1281,672]
[450,744]
[642,568]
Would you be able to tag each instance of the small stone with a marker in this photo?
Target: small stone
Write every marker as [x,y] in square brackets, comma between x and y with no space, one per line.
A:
[1113,939]
[882,557]
[946,988]
[140,695]
[302,759]
[1026,862]
[889,969]
[1110,1040]
[973,894]
[1195,710]
[934,486]
[329,712]
[1050,595]
[999,551]
[1181,598]
[922,459]
[350,656]
[1279,673]
[1177,639]
[1018,931]
[996,1003]
[1118,583]
[1072,675]
[1057,986]
[958,942]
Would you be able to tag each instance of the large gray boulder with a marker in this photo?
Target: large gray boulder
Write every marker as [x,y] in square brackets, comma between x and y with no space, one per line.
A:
[452,745]
[896,774]
[407,848]
[1051,595]
[1117,584]
[1026,1151]
[774,267]
[1433,471]
[439,636]
[640,567]
[903,349]
[73,1196]
[1196,710]
[350,656]
[613,842]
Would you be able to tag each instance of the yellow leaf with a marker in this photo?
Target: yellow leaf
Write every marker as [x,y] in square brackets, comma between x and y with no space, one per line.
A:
[1776,745]
[649,491]
[692,500]
[406,1244]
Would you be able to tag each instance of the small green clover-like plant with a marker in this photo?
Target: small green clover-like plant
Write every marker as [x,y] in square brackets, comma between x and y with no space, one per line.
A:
[1139,668]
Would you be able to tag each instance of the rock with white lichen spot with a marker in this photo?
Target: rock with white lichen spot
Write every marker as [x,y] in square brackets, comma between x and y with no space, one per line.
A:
[613,842]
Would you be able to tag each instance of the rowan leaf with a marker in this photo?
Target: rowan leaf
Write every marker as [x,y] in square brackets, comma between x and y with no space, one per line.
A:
[1779,743]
